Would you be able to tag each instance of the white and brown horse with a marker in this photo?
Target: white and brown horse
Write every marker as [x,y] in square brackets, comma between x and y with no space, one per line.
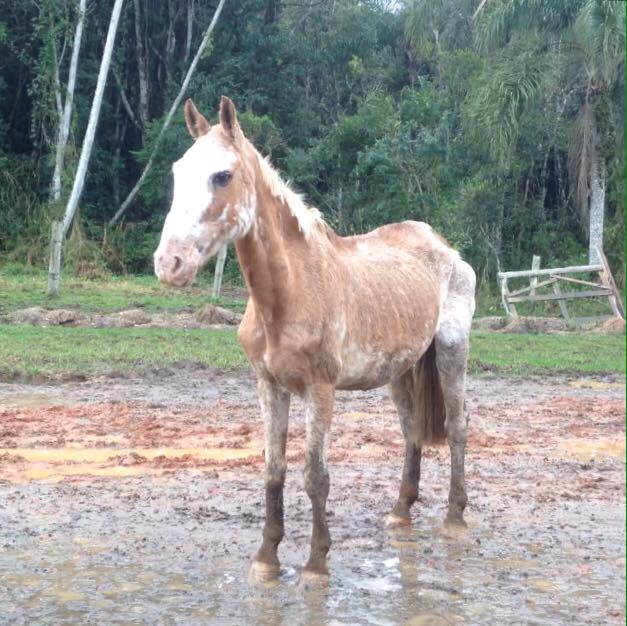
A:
[391,307]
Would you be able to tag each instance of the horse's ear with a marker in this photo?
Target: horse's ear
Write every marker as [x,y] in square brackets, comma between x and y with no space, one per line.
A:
[228,119]
[197,124]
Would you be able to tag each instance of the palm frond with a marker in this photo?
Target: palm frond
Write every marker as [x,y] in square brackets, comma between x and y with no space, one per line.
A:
[501,19]
[505,91]
[600,32]
[419,24]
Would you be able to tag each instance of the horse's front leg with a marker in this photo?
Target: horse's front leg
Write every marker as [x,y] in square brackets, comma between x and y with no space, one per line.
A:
[275,406]
[319,408]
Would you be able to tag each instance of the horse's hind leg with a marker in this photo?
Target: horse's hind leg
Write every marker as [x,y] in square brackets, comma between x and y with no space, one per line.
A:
[451,348]
[275,406]
[402,396]
[451,362]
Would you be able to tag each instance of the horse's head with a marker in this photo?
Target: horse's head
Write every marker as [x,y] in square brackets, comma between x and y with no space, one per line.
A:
[214,199]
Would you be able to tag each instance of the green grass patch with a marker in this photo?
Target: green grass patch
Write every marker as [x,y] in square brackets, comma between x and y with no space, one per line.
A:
[57,351]
[523,354]
[19,290]
[29,351]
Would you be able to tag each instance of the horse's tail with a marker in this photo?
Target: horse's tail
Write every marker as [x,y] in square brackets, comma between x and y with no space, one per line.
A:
[429,409]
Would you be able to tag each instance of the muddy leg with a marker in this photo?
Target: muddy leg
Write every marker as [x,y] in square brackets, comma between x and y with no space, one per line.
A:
[319,407]
[275,405]
[451,356]
[400,392]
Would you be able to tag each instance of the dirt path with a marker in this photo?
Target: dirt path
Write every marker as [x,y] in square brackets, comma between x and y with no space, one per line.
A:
[134,501]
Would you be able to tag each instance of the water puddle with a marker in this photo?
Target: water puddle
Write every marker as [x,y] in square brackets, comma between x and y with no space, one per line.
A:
[586,449]
[52,464]
[588,383]
[28,401]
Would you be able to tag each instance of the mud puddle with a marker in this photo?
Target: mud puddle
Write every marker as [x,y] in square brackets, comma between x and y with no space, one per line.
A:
[119,506]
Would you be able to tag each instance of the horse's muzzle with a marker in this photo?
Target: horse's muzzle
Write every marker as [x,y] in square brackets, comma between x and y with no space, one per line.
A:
[176,265]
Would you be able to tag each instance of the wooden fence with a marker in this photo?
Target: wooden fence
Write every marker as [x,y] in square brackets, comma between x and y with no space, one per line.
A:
[545,286]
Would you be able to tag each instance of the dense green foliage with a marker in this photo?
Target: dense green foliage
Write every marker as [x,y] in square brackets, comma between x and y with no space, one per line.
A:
[31,351]
[480,118]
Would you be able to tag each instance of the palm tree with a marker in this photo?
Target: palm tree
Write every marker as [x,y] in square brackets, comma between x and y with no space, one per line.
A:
[567,51]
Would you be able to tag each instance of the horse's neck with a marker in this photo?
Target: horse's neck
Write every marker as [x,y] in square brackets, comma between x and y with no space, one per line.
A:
[267,255]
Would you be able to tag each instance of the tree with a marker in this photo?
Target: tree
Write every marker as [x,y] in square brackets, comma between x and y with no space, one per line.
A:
[64,110]
[79,179]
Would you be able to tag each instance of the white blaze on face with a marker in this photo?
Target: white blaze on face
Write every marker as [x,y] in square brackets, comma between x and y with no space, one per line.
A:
[193,190]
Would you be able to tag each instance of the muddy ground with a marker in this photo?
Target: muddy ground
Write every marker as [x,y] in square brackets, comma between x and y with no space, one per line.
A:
[140,501]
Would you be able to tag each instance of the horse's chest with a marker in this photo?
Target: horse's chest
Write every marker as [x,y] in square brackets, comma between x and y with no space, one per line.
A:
[296,358]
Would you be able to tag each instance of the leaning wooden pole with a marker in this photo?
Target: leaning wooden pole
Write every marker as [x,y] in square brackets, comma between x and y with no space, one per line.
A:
[616,302]
[175,105]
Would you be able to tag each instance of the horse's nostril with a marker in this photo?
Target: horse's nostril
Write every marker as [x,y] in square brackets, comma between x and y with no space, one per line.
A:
[178,262]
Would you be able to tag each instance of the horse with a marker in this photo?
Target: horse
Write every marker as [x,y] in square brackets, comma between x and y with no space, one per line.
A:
[389,307]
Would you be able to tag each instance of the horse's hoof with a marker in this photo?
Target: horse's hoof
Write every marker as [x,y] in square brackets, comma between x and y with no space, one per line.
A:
[396,521]
[263,573]
[310,580]
[454,527]
[455,521]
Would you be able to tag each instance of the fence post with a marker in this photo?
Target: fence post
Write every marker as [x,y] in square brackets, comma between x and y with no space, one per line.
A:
[54,266]
[217,277]
[533,281]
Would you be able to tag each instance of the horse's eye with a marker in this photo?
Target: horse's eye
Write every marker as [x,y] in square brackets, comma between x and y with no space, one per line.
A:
[221,179]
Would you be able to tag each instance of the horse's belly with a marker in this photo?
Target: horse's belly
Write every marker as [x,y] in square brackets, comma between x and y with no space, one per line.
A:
[368,369]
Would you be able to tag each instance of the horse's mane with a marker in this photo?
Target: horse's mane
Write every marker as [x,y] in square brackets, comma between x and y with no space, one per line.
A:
[307,217]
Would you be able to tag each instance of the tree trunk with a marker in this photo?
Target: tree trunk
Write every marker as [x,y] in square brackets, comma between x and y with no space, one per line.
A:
[64,121]
[271,14]
[175,105]
[170,43]
[597,210]
[54,267]
[219,272]
[190,30]
[142,68]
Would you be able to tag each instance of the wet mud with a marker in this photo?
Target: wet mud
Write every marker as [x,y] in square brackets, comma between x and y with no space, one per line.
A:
[134,501]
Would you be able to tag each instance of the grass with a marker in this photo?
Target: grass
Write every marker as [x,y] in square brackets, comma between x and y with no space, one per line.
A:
[523,354]
[57,351]
[28,351]
[19,289]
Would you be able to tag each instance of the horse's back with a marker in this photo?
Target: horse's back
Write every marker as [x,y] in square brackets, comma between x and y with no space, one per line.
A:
[405,247]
